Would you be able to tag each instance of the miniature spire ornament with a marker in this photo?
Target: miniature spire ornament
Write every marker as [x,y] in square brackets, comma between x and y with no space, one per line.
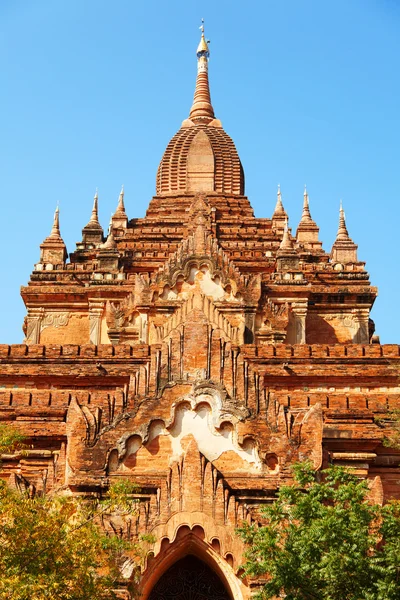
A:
[92,233]
[279,206]
[344,250]
[342,233]
[279,217]
[307,230]
[121,205]
[110,241]
[286,243]
[53,249]
[119,219]
[55,230]
[287,258]
[305,215]
[202,110]
[94,218]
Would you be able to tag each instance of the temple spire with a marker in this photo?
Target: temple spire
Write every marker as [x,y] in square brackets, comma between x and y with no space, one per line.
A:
[344,250]
[92,233]
[94,222]
[108,255]
[94,218]
[55,230]
[342,233]
[286,243]
[119,219]
[307,230]
[121,205]
[110,241]
[279,217]
[53,249]
[279,206]
[286,256]
[305,215]
[202,110]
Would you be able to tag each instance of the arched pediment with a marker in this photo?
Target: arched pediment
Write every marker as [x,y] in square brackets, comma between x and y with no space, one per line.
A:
[204,417]
[190,542]
[189,577]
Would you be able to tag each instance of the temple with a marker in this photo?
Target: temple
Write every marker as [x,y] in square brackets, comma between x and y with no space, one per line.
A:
[199,351]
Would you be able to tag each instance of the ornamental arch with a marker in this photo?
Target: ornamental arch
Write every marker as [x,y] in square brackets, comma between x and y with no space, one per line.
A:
[189,569]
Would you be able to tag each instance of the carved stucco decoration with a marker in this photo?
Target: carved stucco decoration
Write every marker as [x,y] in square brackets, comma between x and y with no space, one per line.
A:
[54,319]
[357,323]
[348,320]
[200,276]
[294,435]
[214,315]
[217,425]
[201,249]
[273,321]
[31,329]
[125,321]
[120,314]
[206,415]
[143,292]
[275,316]
[223,408]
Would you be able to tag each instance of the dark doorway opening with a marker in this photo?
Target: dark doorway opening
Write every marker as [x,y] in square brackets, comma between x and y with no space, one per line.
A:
[189,579]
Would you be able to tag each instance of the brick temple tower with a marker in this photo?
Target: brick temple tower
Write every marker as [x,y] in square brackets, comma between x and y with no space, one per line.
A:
[198,351]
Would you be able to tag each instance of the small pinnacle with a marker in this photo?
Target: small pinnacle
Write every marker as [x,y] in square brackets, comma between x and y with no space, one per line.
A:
[121,205]
[286,243]
[55,230]
[305,215]
[110,243]
[279,206]
[95,214]
[342,233]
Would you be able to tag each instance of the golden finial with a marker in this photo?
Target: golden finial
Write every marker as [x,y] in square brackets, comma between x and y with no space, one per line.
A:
[202,49]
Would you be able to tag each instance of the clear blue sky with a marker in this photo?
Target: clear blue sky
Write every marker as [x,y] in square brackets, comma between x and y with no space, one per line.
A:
[92,91]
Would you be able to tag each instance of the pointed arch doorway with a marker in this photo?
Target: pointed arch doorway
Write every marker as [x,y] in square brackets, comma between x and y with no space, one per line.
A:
[189,579]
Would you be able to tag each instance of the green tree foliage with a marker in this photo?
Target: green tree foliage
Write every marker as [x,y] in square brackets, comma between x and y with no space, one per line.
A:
[10,439]
[55,547]
[323,540]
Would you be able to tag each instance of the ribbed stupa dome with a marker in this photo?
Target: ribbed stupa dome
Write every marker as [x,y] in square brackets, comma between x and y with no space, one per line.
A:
[201,157]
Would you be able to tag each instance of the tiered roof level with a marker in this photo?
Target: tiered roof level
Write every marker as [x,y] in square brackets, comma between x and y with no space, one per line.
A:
[328,296]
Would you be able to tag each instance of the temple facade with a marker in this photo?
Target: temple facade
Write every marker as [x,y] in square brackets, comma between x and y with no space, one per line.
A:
[199,351]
